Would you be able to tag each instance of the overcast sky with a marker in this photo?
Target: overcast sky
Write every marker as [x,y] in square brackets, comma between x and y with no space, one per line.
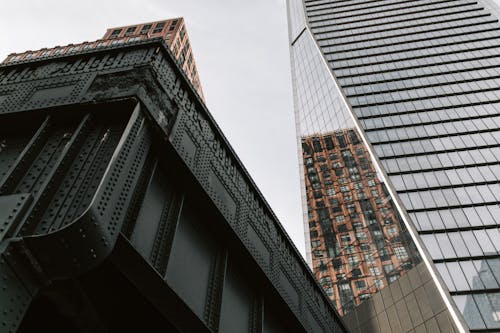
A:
[241,51]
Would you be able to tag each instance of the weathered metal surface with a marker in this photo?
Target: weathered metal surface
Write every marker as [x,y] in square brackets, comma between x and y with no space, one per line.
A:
[116,167]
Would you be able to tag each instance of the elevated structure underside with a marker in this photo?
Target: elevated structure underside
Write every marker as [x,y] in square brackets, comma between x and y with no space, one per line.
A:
[123,208]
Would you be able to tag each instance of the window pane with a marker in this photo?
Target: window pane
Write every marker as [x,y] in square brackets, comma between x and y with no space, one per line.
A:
[489,306]
[445,245]
[495,268]
[471,275]
[458,244]
[432,246]
[472,245]
[467,306]
[494,237]
[485,242]
[458,276]
[485,273]
[441,267]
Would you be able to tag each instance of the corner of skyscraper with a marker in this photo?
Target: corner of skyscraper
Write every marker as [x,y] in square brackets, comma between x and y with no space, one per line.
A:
[398,129]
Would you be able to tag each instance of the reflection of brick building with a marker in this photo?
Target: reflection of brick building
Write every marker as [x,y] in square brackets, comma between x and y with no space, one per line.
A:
[173,31]
[359,244]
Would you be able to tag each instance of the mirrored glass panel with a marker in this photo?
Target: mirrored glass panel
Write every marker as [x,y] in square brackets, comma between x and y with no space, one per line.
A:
[422,79]
[359,243]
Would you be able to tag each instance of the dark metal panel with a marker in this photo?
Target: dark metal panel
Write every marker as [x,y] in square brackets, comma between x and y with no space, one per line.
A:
[12,208]
[24,158]
[194,252]
[137,193]
[153,287]
[239,303]
[90,238]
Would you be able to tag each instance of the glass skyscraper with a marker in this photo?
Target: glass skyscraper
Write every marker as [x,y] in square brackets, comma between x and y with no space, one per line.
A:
[398,118]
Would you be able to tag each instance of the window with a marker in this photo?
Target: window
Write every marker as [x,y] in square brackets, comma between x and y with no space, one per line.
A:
[325,280]
[339,218]
[337,264]
[353,170]
[400,252]
[145,28]
[318,253]
[344,286]
[365,247]
[393,278]
[330,192]
[353,261]
[360,285]
[345,238]
[371,182]
[355,177]
[384,254]
[369,259]
[323,267]
[130,30]
[351,208]
[388,268]
[182,33]
[388,221]
[172,26]
[116,32]
[379,283]
[392,231]
[159,27]
[361,235]
[349,249]
[374,271]
[342,228]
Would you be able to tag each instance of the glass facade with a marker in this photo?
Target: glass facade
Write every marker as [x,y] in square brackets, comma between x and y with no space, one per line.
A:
[397,108]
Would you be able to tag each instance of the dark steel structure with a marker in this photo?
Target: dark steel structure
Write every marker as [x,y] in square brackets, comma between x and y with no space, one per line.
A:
[124,209]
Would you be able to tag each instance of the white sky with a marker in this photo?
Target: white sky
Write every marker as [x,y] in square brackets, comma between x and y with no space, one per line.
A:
[241,50]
